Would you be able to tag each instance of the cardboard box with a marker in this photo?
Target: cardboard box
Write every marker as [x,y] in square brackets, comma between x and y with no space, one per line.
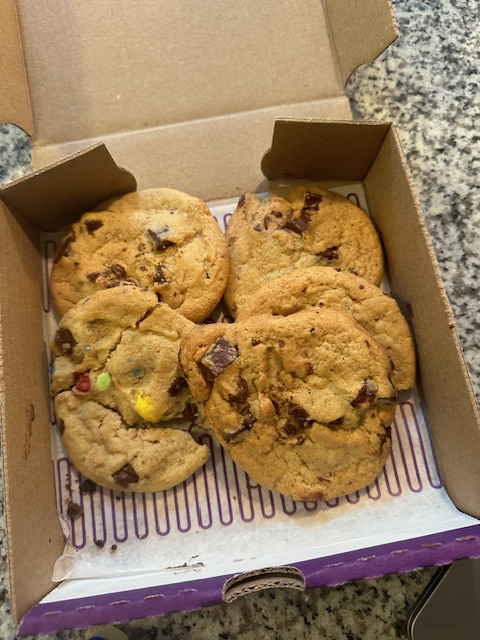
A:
[202,124]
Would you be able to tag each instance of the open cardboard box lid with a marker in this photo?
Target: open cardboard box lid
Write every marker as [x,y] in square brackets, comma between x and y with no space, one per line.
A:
[184,96]
[173,86]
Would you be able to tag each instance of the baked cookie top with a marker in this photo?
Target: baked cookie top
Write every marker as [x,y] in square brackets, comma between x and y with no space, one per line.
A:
[271,236]
[120,395]
[160,239]
[303,403]
[325,287]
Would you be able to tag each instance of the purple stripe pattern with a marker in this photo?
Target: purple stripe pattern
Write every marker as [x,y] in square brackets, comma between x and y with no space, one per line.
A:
[220,494]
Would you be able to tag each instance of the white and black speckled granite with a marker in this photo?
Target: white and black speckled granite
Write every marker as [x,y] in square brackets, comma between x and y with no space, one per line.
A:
[428,83]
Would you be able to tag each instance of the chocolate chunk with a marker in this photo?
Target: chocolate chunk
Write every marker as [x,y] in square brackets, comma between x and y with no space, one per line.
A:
[64,340]
[125,476]
[300,440]
[64,249]
[297,225]
[291,429]
[241,201]
[335,423]
[160,276]
[100,543]
[241,393]
[383,437]
[255,342]
[366,394]
[297,412]
[245,425]
[218,358]
[161,243]
[257,227]
[329,254]
[74,510]
[93,225]
[177,385]
[312,200]
[88,486]
[118,270]
[93,276]
[190,413]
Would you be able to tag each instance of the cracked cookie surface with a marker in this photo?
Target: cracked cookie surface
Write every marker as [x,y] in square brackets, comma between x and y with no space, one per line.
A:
[325,287]
[269,237]
[302,403]
[120,395]
[161,239]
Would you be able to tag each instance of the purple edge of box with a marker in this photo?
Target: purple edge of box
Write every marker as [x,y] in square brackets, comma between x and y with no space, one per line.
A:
[372,562]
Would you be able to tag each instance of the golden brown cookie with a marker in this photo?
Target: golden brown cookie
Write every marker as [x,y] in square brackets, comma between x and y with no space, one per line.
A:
[160,239]
[325,287]
[302,403]
[120,395]
[269,237]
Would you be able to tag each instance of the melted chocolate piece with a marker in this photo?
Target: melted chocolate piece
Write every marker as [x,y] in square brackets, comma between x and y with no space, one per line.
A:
[297,412]
[312,201]
[100,543]
[329,254]
[255,342]
[74,510]
[297,225]
[118,270]
[241,393]
[190,413]
[93,225]
[158,237]
[276,214]
[125,476]
[265,221]
[93,276]
[291,429]
[335,423]
[366,394]
[245,425]
[88,486]
[177,385]
[64,249]
[64,340]
[257,227]
[217,359]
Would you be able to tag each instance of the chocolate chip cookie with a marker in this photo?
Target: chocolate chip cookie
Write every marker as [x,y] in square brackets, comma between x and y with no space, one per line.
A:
[160,239]
[269,237]
[325,287]
[302,403]
[120,395]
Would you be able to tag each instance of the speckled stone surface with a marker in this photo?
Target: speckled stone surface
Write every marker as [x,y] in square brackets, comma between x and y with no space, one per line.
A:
[427,82]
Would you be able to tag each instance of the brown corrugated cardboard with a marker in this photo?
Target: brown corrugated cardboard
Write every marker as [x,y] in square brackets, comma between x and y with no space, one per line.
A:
[185,80]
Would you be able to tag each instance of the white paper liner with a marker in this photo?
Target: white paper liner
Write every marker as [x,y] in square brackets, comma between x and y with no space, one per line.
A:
[219,521]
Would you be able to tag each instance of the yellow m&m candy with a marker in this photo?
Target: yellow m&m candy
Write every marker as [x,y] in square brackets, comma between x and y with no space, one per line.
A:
[145,408]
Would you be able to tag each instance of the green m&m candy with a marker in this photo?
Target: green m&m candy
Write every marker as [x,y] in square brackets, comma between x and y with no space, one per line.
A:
[104,380]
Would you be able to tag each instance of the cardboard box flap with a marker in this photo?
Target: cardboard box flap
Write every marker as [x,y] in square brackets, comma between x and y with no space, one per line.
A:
[298,150]
[35,538]
[352,34]
[92,73]
[14,101]
[54,197]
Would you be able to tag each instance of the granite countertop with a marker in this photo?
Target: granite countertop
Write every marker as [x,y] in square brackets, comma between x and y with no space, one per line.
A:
[427,82]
